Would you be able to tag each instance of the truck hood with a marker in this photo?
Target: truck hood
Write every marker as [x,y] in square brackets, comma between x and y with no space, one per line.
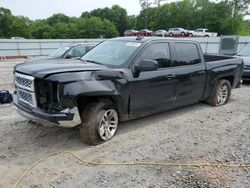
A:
[246,59]
[41,58]
[42,69]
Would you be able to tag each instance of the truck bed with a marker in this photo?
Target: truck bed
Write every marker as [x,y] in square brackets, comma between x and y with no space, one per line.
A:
[226,66]
[210,58]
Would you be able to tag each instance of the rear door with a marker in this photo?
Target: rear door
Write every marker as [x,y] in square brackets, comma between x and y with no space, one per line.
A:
[153,91]
[190,73]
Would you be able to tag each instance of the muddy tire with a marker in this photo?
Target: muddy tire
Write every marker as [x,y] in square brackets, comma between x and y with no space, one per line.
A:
[99,122]
[221,94]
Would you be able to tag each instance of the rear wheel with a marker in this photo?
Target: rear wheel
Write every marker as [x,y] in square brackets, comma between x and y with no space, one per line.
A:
[171,34]
[99,122]
[182,33]
[221,94]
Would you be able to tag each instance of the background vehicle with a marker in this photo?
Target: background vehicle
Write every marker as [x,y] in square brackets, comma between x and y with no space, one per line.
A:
[66,52]
[245,55]
[178,32]
[161,33]
[118,80]
[200,32]
[131,32]
[145,32]
[17,38]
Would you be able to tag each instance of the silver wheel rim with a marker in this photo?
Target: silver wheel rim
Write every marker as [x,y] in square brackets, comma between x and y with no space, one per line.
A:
[222,94]
[108,124]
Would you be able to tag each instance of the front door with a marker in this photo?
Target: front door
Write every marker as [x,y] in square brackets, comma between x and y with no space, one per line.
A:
[153,91]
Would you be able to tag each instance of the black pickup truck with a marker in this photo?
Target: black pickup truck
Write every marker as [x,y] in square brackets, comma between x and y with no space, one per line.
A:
[122,79]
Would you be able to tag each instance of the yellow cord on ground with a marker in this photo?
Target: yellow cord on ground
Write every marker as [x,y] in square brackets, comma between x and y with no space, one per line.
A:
[189,165]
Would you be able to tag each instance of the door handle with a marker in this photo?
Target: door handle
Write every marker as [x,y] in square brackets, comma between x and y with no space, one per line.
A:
[169,77]
[201,72]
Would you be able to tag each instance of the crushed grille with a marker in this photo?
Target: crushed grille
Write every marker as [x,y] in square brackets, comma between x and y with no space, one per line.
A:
[25,96]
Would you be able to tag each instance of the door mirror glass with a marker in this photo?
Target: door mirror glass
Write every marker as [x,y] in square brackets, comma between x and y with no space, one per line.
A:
[147,65]
[68,56]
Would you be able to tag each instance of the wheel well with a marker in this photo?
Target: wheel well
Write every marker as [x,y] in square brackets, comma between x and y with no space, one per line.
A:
[230,79]
[82,101]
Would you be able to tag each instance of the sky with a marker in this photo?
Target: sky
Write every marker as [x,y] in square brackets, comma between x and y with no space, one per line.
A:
[39,9]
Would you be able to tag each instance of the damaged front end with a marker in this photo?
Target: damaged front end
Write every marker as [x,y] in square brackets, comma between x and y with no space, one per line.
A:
[39,100]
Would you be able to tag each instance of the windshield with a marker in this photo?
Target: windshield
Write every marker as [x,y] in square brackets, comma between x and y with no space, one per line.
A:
[113,53]
[245,51]
[59,52]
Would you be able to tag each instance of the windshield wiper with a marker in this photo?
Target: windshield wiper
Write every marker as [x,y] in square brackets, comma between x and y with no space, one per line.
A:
[92,61]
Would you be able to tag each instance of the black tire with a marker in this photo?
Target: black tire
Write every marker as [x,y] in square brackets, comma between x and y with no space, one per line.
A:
[190,34]
[91,117]
[206,36]
[214,100]
[182,34]
[171,34]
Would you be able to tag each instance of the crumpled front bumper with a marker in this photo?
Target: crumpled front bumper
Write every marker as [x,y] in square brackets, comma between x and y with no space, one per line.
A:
[66,118]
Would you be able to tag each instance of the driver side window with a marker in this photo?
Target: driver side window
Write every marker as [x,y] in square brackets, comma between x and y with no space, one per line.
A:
[159,52]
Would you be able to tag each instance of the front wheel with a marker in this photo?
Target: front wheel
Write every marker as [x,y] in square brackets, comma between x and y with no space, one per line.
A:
[99,122]
[221,94]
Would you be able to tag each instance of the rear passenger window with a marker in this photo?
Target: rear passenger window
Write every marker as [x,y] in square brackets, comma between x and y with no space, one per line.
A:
[187,54]
[159,52]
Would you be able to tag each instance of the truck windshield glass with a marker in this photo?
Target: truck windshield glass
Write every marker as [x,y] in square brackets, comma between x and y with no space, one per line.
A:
[112,53]
[59,52]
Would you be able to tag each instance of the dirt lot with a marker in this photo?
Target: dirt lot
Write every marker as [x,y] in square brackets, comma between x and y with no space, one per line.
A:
[194,134]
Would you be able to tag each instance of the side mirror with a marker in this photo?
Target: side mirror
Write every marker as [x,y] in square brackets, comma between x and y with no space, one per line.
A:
[146,65]
[68,56]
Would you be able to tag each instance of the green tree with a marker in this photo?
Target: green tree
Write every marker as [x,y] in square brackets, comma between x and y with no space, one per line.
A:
[245,28]
[20,27]
[116,14]
[120,18]
[95,27]
[132,22]
[5,23]
[56,18]
[61,31]
[41,30]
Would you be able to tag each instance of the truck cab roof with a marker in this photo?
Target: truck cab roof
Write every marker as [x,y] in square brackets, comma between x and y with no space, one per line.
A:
[143,39]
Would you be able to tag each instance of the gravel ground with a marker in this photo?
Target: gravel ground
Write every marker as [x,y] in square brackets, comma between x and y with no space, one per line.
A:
[195,134]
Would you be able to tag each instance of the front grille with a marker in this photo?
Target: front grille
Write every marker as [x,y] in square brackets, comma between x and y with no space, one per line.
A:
[24,81]
[25,89]
[25,96]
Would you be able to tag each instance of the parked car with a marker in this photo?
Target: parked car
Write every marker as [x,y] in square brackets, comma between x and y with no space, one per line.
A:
[201,32]
[244,54]
[66,52]
[161,33]
[122,79]
[178,32]
[145,32]
[17,38]
[131,32]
